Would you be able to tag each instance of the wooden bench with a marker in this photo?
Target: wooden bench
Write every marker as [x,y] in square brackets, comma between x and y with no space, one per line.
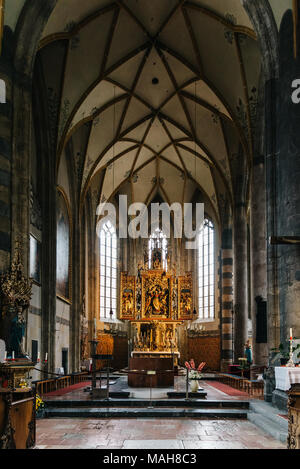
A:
[251,387]
[49,385]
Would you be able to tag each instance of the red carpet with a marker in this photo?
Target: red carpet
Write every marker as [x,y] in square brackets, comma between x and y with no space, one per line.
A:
[227,389]
[74,387]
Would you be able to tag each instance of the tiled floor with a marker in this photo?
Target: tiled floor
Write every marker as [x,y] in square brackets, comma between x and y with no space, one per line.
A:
[151,434]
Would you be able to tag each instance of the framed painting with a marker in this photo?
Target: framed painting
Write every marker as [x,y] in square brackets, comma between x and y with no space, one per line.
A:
[127,297]
[185,297]
[156,295]
[63,237]
[35,261]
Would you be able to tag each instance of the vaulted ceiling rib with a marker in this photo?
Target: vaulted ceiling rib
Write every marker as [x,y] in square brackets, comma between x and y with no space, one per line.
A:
[154,79]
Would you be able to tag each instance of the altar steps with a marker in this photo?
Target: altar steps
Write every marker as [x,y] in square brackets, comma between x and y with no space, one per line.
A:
[143,408]
[85,412]
[182,395]
[270,419]
[138,403]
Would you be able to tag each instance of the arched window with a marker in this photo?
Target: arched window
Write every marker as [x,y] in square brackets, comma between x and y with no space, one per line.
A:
[158,241]
[206,271]
[108,271]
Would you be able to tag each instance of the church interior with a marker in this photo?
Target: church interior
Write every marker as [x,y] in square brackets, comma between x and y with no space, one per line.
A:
[119,327]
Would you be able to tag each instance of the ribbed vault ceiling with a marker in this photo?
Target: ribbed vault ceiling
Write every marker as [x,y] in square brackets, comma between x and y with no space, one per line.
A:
[154,96]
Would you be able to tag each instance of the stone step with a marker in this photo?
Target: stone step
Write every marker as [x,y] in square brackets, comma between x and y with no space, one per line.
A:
[146,413]
[114,394]
[182,395]
[270,412]
[266,417]
[178,403]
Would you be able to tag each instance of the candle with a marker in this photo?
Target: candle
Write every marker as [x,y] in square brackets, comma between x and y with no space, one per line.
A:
[291,334]
[13,355]
[38,357]
[46,357]
[5,356]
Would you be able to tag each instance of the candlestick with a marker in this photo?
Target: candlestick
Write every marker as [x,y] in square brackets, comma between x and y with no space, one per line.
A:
[291,363]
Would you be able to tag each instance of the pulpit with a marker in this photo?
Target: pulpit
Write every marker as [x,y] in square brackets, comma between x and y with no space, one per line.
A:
[294,417]
[17,419]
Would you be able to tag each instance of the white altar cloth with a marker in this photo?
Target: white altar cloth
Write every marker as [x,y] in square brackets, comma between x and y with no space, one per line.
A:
[286,376]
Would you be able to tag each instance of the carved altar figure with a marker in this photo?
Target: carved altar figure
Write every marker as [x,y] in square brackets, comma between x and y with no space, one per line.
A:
[17,332]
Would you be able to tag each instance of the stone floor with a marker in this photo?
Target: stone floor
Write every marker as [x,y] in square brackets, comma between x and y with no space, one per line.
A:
[151,434]
[120,384]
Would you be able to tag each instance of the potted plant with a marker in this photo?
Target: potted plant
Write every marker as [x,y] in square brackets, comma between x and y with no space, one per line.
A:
[284,351]
[194,374]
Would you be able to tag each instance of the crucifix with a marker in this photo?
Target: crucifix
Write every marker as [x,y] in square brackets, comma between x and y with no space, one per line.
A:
[280,240]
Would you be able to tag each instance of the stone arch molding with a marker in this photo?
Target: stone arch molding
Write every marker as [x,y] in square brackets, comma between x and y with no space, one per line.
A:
[262,18]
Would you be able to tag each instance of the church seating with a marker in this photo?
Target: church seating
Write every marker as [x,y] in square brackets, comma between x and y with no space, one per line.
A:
[252,387]
[17,420]
[48,385]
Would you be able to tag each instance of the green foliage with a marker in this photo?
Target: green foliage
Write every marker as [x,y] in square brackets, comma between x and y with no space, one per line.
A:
[284,350]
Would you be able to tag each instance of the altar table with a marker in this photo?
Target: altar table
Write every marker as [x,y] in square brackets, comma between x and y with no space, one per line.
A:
[140,374]
[286,376]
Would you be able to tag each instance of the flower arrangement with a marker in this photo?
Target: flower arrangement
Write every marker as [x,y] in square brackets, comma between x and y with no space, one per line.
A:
[39,406]
[23,383]
[194,373]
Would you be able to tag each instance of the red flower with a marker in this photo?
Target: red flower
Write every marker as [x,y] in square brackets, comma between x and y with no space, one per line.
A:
[192,363]
[201,366]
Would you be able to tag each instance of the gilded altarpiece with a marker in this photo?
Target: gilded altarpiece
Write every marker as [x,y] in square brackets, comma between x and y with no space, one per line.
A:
[156,295]
[185,298]
[164,304]
[127,297]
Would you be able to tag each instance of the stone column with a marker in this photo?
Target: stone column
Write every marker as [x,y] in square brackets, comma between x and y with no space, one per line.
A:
[5,169]
[288,176]
[240,281]
[258,253]
[227,299]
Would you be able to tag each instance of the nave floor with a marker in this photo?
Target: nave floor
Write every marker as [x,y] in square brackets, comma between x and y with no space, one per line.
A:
[215,390]
[151,434]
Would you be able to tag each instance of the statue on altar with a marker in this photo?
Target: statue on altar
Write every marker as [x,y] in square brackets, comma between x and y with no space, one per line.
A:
[17,332]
